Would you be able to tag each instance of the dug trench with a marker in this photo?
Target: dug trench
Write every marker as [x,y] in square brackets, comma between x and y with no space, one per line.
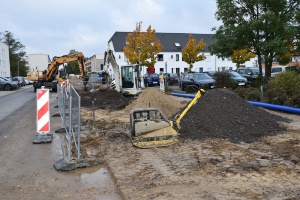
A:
[228,148]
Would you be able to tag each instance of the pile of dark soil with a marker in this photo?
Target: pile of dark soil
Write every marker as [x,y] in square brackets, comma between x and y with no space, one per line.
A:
[220,113]
[104,99]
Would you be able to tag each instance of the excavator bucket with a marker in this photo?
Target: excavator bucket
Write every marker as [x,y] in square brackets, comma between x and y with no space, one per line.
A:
[150,128]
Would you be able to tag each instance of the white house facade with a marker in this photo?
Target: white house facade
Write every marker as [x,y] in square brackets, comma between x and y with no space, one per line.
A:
[170,59]
[38,62]
[4,60]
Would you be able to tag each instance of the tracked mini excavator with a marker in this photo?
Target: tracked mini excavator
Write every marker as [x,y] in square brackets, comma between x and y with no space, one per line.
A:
[151,128]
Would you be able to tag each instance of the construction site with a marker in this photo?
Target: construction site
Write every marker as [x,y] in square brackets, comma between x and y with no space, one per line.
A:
[226,147]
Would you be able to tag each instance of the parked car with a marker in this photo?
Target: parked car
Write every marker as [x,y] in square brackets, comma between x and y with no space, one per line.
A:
[152,79]
[209,73]
[27,81]
[250,73]
[239,79]
[277,69]
[200,80]
[20,80]
[7,84]
[172,78]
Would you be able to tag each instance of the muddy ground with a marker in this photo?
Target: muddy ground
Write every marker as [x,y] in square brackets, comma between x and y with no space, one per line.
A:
[254,153]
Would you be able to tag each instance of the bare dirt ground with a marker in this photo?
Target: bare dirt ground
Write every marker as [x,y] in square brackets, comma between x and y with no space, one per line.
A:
[265,166]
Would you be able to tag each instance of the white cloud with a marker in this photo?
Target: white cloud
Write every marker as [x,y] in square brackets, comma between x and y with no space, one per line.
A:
[55,27]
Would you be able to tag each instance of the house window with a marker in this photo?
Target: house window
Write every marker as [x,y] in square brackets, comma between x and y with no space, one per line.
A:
[171,56]
[177,57]
[177,44]
[160,57]
[119,56]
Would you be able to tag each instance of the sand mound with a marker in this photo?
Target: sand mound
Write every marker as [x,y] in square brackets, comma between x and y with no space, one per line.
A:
[168,105]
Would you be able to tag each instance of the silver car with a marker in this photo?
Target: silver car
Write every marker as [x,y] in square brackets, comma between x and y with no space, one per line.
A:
[7,85]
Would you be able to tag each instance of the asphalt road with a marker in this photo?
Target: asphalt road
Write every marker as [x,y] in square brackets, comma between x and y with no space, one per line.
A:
[12,101]
[26,169]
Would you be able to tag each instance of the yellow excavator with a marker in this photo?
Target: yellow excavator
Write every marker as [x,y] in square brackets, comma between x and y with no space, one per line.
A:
[50,77]
[151,128]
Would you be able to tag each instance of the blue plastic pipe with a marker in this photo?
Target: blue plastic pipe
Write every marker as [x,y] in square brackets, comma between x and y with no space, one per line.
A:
[258,104]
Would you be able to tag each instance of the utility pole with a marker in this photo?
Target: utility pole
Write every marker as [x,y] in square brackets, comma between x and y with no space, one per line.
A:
[18,67]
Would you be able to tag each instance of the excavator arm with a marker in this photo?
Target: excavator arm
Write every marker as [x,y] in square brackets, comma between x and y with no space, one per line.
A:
[110,58]
[53,68]
[48,77]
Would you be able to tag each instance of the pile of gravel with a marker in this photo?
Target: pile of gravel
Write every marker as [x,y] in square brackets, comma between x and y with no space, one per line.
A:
[221,113]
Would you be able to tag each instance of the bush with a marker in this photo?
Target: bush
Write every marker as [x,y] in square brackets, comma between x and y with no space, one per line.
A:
[283,89]
[250,94]
[224,80]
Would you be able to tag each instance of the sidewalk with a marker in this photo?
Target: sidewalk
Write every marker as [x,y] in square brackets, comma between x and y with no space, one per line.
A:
[4,93]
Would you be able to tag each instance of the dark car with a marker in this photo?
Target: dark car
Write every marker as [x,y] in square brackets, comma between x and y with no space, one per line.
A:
[250,73]
[172,78]
[152,79]
[209,73]
[239,79]
[20,80]
[230,79]
[200,80]
[7,84]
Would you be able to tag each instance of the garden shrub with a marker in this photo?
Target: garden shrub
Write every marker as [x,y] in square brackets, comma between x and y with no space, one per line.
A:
[283,89]
[224,80]
[250,94]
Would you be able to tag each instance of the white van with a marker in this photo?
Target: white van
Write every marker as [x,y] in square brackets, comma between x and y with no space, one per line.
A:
[277,69]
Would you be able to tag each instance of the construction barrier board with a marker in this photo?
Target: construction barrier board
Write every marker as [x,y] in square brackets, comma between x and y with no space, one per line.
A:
[43,114]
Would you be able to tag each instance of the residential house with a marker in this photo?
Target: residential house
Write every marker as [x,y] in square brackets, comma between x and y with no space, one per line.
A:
[4,60]
[170,59]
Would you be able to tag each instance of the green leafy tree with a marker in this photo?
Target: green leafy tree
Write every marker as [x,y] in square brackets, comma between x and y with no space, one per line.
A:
[72,67]
[142,46]
[240,56]
[16,54]
[265,26]
[192,52]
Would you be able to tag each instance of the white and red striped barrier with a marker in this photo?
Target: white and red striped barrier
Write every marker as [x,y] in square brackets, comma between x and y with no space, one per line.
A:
[43,114]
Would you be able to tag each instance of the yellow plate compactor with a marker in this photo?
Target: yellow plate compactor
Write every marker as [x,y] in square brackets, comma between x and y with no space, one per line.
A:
[151,128]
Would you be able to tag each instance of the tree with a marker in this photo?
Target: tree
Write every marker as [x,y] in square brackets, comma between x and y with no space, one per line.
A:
[16,54]
[265,26]
[191,52]
[240,56]
[142,47]
[72,67]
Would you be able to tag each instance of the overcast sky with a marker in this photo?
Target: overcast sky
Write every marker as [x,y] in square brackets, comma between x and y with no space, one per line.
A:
[55,27]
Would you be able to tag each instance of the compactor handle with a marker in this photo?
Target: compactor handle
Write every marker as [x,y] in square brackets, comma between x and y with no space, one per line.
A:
[197,96]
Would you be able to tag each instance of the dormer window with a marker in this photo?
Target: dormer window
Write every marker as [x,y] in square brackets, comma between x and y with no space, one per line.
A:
[177,44]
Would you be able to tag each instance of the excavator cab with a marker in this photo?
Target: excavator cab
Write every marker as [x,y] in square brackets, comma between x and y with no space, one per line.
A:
[131,81]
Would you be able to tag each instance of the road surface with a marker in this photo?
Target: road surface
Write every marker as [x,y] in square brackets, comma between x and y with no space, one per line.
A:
[26,169]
